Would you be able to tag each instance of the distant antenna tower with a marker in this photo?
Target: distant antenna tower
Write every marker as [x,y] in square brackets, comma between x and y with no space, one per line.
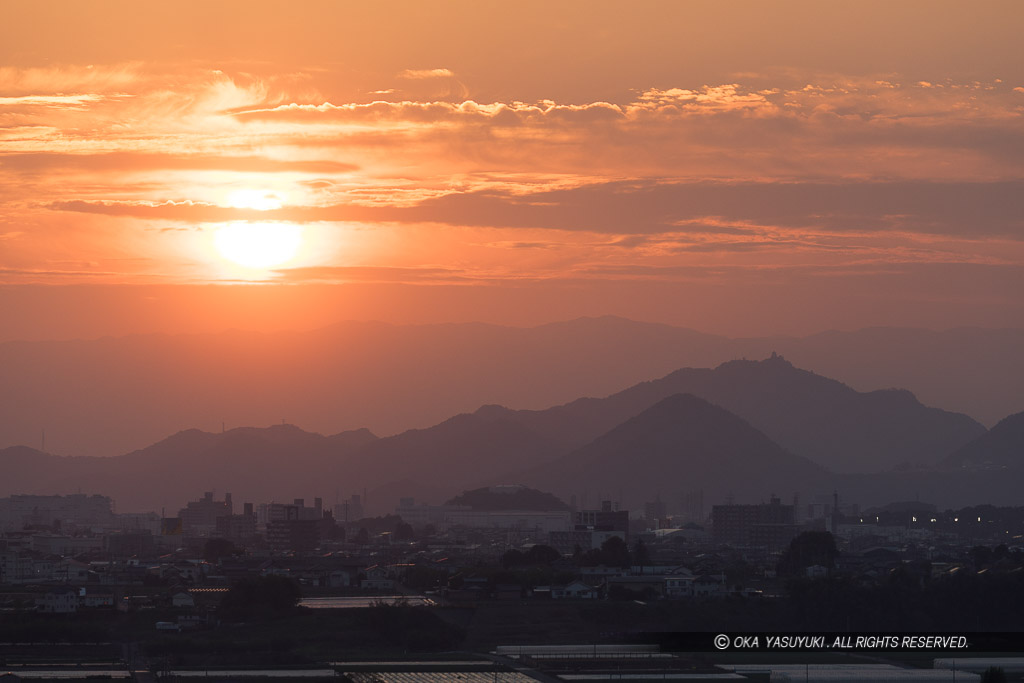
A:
[42,441]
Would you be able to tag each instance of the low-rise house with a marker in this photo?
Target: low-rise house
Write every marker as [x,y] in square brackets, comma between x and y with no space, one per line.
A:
[679,586]
[576,590]
[192,572]
[643,587]
[339,578]
[377,578]
[709,586]
[96,597]
[816,571]
[73,571]
[182,599]
[507,591]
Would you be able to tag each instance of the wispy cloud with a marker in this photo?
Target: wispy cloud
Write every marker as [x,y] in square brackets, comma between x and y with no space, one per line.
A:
[426,73]
[751,173]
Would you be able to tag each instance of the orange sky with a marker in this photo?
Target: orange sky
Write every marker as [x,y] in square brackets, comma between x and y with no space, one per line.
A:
[740,167]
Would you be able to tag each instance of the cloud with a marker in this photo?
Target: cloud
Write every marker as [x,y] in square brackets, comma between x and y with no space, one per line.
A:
[141,161]
[67,80]
[839,171]
[853,128]
[728,97]
[184,210]
[377,274]
[638,208]
[417,74]
[515,113]
[52,101]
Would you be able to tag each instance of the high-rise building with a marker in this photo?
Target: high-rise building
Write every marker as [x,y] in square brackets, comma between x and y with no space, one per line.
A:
[608,518]
[200,516]
[770,525]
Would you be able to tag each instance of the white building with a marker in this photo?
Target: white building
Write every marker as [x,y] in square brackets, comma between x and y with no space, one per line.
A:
[62,600]
[577,590]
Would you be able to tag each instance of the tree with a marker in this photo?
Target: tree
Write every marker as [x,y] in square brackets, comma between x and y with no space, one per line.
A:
[261,596]
[993,674]
[362,537]
[542,554]
[217,548]
[641,556]
[806,550]
[615,552]
[539,554]
[404,532]
[982,556]
[424,578]
[512,558]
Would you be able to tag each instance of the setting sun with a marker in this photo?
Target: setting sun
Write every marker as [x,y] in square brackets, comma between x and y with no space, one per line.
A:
[258,245]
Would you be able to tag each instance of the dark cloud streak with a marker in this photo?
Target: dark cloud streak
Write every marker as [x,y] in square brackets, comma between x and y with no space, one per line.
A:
[46,162]
[953,209]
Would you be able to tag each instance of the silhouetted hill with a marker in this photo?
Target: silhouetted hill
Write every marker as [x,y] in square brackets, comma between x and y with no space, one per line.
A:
[254,464]
[438,462]
[283,462]
[945,488]
[969,370]
[682,443]
[812,416]
[508,498]
[1002,447]
[113,395]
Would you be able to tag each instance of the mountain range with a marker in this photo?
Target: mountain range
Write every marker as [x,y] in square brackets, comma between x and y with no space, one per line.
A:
[681,442]
[810,415]
[999,449]
[108,396]
[742,430]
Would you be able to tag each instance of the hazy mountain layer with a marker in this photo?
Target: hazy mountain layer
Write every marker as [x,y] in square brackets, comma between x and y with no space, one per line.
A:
[112,395]
[682,443]
[278,463]
[812,416]
[1002,447]
[630,446]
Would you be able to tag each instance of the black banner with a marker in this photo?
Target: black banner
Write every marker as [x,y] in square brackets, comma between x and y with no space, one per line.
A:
[952,643]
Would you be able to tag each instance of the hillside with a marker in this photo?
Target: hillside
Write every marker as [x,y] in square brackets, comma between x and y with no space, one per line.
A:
[680,444]
[259,465]
[1002,447]
[109,396]
[816,417]
[508,497]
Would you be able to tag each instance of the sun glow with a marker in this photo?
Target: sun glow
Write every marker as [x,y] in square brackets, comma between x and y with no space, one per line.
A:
[261,200]
[258,245]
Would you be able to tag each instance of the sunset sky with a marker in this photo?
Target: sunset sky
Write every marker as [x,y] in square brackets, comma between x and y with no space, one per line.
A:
[735,167]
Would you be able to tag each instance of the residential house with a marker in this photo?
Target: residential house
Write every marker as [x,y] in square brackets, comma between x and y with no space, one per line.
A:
[576,590]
